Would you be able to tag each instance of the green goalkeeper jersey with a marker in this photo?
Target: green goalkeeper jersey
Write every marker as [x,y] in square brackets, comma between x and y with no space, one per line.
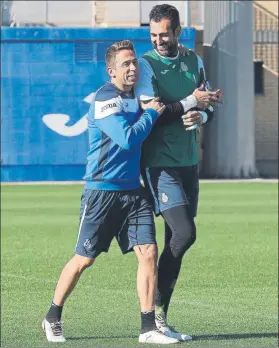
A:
[171,79]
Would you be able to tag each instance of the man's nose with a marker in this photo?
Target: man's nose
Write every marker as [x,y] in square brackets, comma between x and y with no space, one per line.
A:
[133,67]
[158,41]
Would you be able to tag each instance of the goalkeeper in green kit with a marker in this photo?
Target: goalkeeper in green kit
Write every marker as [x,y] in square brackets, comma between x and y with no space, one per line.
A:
[170,153]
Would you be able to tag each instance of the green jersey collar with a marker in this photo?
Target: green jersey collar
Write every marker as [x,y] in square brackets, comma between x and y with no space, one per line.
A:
[167,60]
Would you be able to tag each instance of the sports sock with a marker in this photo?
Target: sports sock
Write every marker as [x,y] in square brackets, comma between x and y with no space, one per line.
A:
[54,314]
[147,321]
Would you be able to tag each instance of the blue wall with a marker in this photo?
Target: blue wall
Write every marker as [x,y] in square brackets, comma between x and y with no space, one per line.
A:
[48,76]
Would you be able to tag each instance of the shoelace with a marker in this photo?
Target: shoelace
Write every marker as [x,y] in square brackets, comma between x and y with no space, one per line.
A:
[159,332]
[56,328]
[161,318]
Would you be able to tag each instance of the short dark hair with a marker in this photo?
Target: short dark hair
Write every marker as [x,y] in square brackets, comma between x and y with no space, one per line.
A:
[165,11]
[115,48]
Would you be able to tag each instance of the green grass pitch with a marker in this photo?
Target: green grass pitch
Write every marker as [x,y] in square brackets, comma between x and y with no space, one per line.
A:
[226,295]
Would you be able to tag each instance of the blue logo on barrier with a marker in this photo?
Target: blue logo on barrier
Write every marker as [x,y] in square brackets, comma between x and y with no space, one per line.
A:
[58,122]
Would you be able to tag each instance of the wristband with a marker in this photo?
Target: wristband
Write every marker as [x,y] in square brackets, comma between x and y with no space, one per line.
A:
[204,116]
[189,102]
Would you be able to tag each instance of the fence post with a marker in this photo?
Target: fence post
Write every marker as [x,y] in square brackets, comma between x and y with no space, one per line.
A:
[229,141]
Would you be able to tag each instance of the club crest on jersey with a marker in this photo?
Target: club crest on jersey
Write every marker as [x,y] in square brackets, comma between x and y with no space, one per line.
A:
[165,198]
[183,67]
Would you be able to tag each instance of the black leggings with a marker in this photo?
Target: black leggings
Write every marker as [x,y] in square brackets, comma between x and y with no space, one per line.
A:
[180,234]
[180,230]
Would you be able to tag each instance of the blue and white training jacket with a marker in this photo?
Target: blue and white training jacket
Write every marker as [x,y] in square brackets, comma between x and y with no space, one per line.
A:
[116,131]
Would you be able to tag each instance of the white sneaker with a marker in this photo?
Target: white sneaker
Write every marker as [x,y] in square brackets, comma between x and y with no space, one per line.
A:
[54,331]
[162,325]
[171,332]
[156,337]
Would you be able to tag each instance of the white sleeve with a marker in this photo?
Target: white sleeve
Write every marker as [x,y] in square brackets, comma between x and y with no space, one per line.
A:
[144,88]
[109,107]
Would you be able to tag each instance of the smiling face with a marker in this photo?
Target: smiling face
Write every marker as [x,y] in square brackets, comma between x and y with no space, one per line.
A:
[163,38]
[124,69]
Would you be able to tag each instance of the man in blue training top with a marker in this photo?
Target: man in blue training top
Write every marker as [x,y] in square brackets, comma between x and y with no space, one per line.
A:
[113,202]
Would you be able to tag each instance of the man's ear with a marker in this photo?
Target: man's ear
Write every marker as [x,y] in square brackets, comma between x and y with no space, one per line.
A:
[177,32]
[110,71]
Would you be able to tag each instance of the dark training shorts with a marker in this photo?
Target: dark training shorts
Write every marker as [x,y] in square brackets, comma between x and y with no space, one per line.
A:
[173,186]
[125,215]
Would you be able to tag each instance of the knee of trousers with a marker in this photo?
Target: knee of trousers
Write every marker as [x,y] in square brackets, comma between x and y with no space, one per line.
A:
[182,241]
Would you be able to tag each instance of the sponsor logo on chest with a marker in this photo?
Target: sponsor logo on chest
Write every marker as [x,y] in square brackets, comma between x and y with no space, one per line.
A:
[108,106]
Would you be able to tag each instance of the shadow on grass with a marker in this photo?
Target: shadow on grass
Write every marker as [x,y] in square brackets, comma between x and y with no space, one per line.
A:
[217,337]
[236,336]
